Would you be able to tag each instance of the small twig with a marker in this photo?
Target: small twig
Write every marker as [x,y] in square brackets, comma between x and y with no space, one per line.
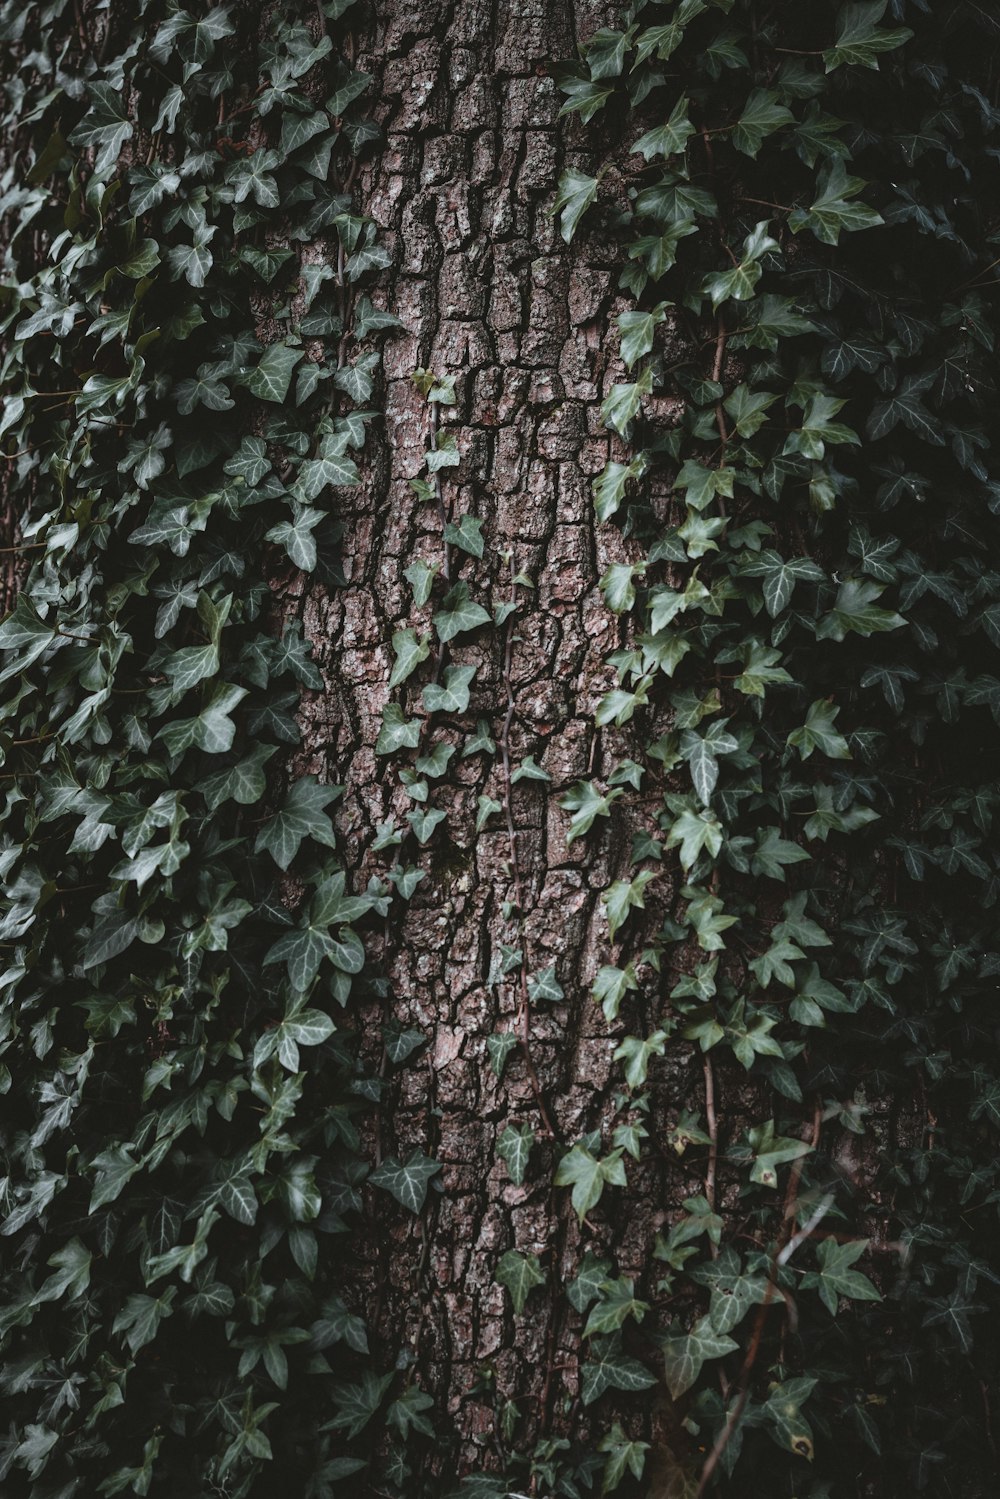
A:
[713,1134]
[773,1289]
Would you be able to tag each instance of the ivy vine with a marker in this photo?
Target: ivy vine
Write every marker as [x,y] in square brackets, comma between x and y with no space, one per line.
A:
[184,397]
[798,720]
[806,694]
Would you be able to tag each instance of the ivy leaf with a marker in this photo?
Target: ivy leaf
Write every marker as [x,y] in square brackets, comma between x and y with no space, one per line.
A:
[623,896]
[194,261]
[760,670]
[617,1303]
[748,409]
[208,391]
[859,41]
[25,632]
[818,732]
[783,1415]
[610,987]
[836,1278]
[618,586]
[397,731]
[623,403]
[467,534]
[684,1357]
[670,138]
[575,194]
[296,536]
[271,378]
[144,456]
[114,1167]
[519,1274]
[692,832]
[104,127]
[514,1149]
[545,986]
[139,1319]
[637,331]
[608,1368]
[420,577]
[609,488]
[303,815]
[780,577]
[458,614]
[833,211]
[356,1404]
[302,951]
[854,610]
[410,652]
[624,1454]
[212,730]
[637,1052]
[734,1291]
[585,98]
[762,116]
[529,770]
[245,782]
[423,821]
[588,1175]
[773,853]
[906,406]
[453,695]
[605,52]
[771,1151]
[331,467]
[952,1313]
[255,174]
[586,803]
[739,283]
[408,1183]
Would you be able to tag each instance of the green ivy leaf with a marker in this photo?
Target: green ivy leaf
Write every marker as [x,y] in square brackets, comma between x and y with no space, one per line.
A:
[514,1149]
[859,41]
[303,815]
[684,1357]
[408,1183]
[270,379]
[519,1274]
[410,651]
[588,1175]
[105,127]
[458,614]
[670,138]
[575,194]
[836,1278]
[451,696]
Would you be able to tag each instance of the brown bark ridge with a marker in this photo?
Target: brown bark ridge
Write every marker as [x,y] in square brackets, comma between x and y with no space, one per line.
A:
[488,292]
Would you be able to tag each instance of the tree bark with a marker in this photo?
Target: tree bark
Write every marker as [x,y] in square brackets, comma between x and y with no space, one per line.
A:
[488,293]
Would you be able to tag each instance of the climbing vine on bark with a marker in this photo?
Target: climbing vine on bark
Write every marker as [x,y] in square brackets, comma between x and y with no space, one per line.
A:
[797,719]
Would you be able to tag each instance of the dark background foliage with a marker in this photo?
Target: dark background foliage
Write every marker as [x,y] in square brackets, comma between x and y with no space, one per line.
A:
[807,703]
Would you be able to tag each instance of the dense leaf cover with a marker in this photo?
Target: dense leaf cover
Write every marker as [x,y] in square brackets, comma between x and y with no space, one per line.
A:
[811,660]
[807,690]
[182,400]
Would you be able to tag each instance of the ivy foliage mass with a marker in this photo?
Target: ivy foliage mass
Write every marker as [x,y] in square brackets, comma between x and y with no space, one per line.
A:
[799,720]
[184,401]
[807,697]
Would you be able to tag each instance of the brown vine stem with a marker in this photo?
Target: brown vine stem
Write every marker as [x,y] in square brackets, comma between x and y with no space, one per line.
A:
[713,1133]
[720,415]
[779,1256]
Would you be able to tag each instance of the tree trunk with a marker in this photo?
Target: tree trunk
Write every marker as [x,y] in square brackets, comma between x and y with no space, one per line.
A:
[178,1118]
[488,294]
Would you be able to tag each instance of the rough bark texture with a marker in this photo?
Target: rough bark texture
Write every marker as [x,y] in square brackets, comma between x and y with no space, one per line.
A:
[488,292]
